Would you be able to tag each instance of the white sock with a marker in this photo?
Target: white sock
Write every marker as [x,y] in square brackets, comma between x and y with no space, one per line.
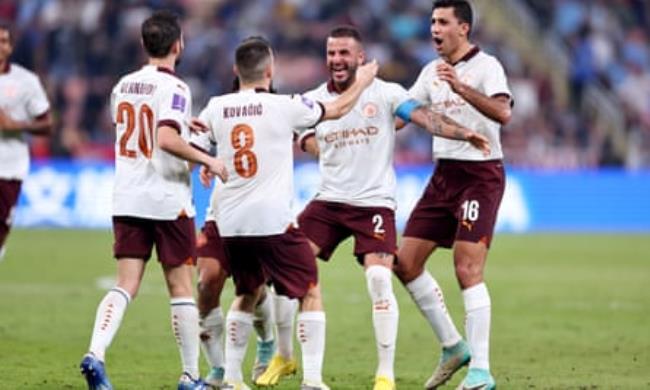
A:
[311,334]
[263,319]
[385,317]
[107,320]
[427,295]
[477,324]
[238,327]
[285,312]
[185,325]
[212,337]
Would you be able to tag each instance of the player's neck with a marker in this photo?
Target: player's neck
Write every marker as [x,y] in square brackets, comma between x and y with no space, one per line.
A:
[459,53]
[167,62]
[4,66]
[255,85]
[339,87]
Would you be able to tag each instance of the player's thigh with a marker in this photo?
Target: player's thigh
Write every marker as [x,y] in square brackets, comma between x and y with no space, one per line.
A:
[321,223]
[378,258]
[291,265]
[175,242]
[212,262]
[179,280]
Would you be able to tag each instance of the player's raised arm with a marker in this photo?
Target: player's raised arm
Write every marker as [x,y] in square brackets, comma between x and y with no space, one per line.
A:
[343,104]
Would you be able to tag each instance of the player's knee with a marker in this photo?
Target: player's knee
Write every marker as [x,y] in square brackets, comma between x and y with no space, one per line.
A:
[468,272]
[406,272]
[379,282]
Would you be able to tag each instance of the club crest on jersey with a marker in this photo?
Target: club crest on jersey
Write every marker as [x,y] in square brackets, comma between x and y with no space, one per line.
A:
[308,102]
[178,102]
[369,110]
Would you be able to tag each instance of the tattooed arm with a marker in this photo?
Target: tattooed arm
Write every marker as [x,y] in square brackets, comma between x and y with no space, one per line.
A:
[443,126]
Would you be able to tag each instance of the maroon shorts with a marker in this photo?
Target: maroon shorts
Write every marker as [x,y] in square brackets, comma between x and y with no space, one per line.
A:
[459,203]
[135,237]
[209,244]
[286,260]
[326,224]
[9,191]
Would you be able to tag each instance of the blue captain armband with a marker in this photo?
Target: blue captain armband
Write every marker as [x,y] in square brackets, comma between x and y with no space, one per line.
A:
[405,109]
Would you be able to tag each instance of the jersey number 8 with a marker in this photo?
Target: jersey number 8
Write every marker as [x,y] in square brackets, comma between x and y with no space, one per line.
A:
[243,150]
[126,113]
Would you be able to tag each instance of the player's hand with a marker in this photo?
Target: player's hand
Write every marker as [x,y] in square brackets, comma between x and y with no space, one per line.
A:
[366,73]
[447,73]
[216,167]
[479,141]
[197,126]
[205,176]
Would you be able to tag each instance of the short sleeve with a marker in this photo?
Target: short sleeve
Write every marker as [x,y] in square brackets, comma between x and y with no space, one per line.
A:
[494,80]
[37,103]
[174,107]
[395,95]
[419,89]
[304,112]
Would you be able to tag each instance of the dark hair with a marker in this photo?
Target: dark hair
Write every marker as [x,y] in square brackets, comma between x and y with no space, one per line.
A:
[159,32]
[462,10]
[346,31]
[5,25]
[251,58]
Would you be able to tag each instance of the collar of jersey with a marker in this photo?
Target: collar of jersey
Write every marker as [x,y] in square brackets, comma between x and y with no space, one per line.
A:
[469,55]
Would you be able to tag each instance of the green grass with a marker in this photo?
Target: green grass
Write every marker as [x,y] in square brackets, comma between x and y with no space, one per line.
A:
[569,312]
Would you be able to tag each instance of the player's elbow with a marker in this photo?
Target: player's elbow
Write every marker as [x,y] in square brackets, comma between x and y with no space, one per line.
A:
[504,115]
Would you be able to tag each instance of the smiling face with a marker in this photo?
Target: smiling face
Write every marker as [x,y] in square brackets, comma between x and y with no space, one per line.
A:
[344,55]
[448,33]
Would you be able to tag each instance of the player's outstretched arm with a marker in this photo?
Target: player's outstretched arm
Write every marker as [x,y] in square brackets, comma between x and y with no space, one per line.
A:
[343,104]
[443,126]
[40,126]
[171,142]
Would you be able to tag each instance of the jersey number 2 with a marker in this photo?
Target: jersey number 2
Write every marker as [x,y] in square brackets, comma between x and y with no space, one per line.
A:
[126,114]
[243,150]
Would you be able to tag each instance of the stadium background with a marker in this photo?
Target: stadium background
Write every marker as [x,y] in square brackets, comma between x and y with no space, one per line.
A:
[577,153]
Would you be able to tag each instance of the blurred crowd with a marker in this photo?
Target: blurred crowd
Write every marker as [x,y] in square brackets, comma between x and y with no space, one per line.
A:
[608,45]
[81,47]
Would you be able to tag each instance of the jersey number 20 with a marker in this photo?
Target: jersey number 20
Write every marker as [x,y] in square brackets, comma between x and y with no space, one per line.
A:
[243,150]
[126,113]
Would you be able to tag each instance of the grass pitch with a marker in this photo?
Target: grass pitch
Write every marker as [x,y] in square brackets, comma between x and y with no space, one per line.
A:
[569,312]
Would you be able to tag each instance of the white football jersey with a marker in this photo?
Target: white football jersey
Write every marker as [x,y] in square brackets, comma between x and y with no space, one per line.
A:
[480,71]
[149,182]
[253,132]
[356,150]
[22,98]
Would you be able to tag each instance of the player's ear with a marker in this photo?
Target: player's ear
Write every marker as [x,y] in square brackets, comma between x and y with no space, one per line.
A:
[464,30]
[235,70]
[268,70]
[361,59]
